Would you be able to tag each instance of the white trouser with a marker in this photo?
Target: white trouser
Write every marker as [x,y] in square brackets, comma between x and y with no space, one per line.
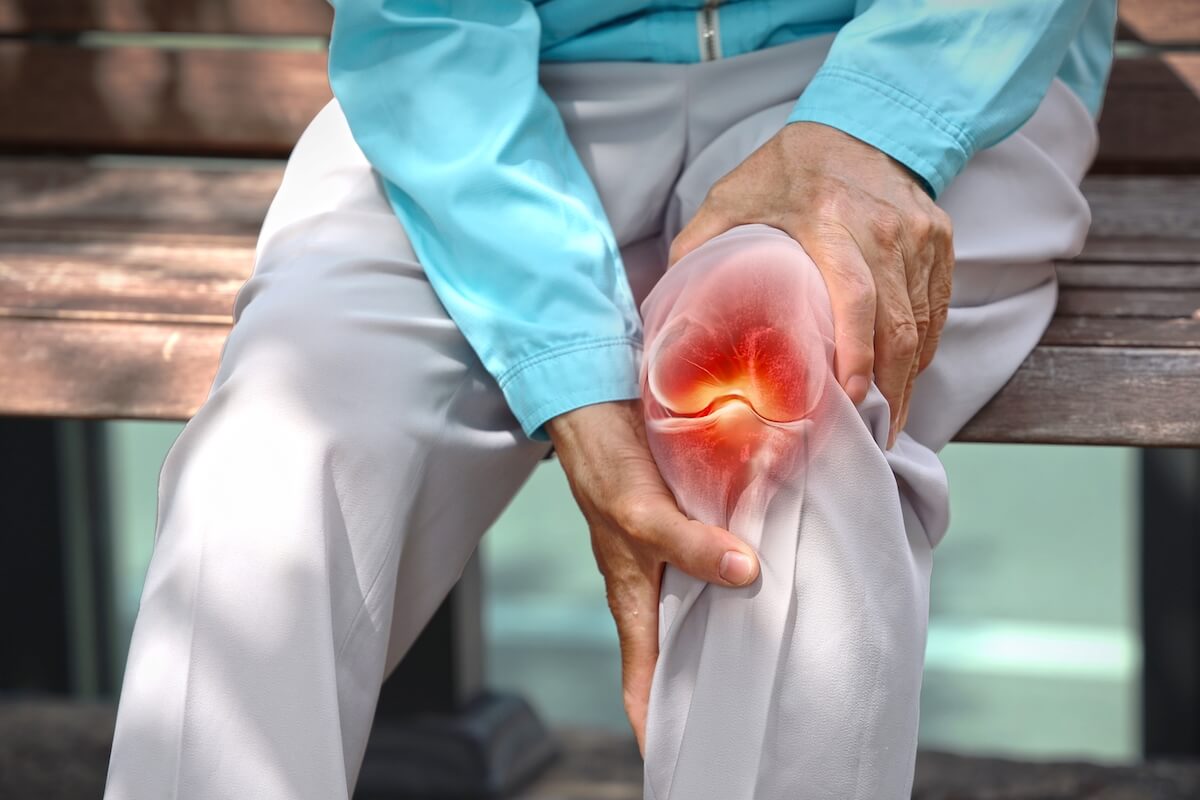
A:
[352,451]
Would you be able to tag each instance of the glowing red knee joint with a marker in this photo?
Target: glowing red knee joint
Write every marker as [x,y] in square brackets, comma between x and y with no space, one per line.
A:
[739,348]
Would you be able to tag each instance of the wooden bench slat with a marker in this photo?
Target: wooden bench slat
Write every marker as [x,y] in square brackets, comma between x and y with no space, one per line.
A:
[1109,396]
[147,100]
[1174,304]
[1161,21]
[195,277]
[60,368]
[289,17]
[147,276]
[1153,209]
[257,102]
[1150,21]
[1122,332]
[1150,116]
[79,196]
[1086,275]
[68,195]
[144,371]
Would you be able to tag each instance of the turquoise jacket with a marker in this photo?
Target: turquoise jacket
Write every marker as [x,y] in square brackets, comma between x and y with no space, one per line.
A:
[443,98]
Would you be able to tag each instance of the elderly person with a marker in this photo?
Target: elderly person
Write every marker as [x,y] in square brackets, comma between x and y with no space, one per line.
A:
[448,282]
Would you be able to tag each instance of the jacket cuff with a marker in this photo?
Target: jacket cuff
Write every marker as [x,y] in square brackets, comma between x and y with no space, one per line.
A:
[561,380]
[889,119]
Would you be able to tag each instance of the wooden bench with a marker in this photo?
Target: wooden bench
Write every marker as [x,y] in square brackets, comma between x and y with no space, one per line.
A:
[141,142]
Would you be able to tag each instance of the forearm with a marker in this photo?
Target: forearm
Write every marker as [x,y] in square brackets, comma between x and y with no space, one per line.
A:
[444,100]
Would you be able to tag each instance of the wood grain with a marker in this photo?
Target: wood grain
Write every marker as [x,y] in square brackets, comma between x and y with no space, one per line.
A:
[1161,22]
[1159,332]
[1115,275]
[1150,116]
[65,196]
[110,370]
[257,102]
[61,98]
[1151,21]
[82,198]
[291,17]
[1143,397]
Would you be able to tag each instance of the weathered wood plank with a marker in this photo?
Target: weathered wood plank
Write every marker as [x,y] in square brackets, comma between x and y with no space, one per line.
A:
[1076,395]
[1080,275]
[1151,115]
[1135,219]
[1144,397]
[109,274]
[1150,21]
[149,277]
[1178,303]
[140,99]
[1130,207]
[290,17]
[246,102]
[61,368]
[1122,332]
[91,197]
[1161,21]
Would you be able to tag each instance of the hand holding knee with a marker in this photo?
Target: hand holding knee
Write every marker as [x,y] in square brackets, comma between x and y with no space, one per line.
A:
[636,528]
[884,249]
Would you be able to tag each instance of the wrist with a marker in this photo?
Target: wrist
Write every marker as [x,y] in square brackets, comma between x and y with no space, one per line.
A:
[583,424]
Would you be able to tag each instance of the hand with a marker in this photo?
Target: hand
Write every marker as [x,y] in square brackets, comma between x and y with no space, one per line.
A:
[636,528]
[883,247]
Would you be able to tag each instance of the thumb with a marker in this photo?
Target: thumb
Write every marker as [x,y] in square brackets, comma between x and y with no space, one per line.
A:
[706,552]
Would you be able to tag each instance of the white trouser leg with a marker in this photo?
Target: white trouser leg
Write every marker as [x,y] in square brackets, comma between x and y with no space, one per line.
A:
[807,684]
[351,443]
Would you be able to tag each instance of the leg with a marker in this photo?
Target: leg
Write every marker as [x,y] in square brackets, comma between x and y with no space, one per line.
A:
[807,684]
[310,514]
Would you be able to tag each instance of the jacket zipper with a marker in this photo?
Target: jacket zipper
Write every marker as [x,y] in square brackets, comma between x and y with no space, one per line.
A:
[709,30]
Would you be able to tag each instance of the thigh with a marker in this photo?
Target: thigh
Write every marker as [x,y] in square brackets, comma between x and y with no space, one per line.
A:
[340,319]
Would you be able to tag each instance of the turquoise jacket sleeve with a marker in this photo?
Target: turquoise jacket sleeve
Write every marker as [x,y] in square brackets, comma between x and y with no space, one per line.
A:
[931,82]
[443,98]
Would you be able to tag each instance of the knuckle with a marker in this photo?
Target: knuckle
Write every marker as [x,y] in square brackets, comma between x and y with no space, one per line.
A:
[887,227]
[858,290]
[921,228]
[903,338]
[633,516]
[829,205]
[943,224]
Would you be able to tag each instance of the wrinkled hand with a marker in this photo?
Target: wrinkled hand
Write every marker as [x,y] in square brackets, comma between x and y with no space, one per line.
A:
[636,528]
[883,247]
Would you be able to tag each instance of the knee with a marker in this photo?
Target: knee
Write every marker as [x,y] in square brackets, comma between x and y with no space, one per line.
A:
[739,352]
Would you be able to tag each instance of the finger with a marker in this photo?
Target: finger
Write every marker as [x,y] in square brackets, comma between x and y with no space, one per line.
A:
[919,268]
[906,403]
[702,227]
[706,552]
[896,340]
[941,278]
[852,298]
[637,630]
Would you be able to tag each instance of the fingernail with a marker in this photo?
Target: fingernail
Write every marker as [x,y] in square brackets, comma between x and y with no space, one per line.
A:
[736,568]
[857,388]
